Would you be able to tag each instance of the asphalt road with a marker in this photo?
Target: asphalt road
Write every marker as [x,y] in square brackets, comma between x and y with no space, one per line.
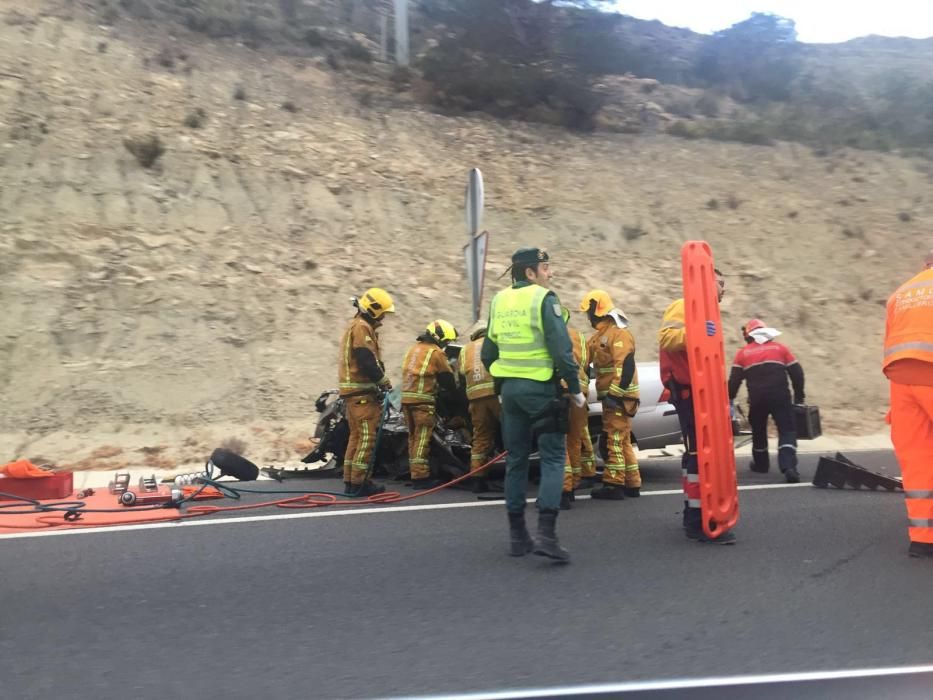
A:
[425,601]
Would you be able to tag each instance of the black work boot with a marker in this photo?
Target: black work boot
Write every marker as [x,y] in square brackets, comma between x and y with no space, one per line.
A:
[920,550]
[479,485]
[632,491]
[566,500]
[608,492]
[347,488]
[761,462]
[728,537]
[693,529]
[367,488]
[546,544]
[424,484]
[520,541]
[792,475]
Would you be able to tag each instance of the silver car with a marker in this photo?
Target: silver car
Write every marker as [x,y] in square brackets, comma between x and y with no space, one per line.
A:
[655,425]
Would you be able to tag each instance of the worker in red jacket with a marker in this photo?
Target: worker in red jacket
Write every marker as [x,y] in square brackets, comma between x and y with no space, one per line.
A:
[765,365]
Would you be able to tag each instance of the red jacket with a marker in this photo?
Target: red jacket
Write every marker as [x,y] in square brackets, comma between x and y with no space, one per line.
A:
[765,368]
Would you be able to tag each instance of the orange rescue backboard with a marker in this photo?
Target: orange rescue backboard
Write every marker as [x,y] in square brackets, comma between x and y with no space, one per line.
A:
[715,451]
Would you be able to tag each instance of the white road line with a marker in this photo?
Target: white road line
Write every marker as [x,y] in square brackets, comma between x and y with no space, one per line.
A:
[326,512]
[690,683]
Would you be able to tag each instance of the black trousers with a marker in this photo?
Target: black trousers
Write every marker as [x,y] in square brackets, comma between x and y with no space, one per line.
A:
[689,465]
[782,411]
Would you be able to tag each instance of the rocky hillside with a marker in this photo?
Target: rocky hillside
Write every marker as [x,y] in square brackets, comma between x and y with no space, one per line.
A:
[209,289]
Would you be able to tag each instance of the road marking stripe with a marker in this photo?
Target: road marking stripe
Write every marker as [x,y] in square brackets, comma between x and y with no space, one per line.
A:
[322,513]
[684,684]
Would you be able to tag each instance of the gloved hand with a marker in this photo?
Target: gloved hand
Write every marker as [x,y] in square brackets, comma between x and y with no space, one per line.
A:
[710,328]
[385,385]
[579,400]
[800,400]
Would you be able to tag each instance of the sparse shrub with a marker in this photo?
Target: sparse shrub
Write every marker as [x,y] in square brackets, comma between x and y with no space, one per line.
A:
[252,30]
[712,204]
[682,106]
[165,58]
[708,105]
[365,98]
[904,216]
[751,133]
[333,61]
[289,106]
[102,47]
[195,119]
[684,130]
[137,8]
[109,15]
[355,51]
[314,37]
[239,93]
[401,77]
[146,148]
[733,202]
[632,233]
[792,214]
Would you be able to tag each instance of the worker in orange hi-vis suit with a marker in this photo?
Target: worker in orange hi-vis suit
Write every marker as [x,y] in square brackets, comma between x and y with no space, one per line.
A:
[611,349]
[908,365]
[362,381]
[580,459]
[485,411]
[425,370]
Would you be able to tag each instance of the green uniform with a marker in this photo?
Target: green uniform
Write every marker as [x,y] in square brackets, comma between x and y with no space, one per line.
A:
[526,343]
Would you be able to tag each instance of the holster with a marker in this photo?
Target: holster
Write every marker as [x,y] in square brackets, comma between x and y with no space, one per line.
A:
[555,418]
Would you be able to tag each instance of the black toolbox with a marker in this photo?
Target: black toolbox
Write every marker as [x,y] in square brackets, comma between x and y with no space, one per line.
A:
[807,419]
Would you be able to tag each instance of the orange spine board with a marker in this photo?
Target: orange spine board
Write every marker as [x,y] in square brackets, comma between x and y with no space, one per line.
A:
[715,450]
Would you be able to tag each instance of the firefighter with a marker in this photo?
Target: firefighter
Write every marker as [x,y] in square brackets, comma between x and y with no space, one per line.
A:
[362,384]
[908,365]
[580,462]
[611,349]
[425,369]
[764,365]
[484,404]
[675,376]
[526,342]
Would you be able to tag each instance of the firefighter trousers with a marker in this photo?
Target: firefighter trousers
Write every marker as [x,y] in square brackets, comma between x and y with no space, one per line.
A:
[420,420]
[782,410]
[622,462]
[363,415]
[580,461]
[912,434]
[484,415]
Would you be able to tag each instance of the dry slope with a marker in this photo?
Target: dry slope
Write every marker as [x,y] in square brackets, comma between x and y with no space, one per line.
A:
[173,305]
